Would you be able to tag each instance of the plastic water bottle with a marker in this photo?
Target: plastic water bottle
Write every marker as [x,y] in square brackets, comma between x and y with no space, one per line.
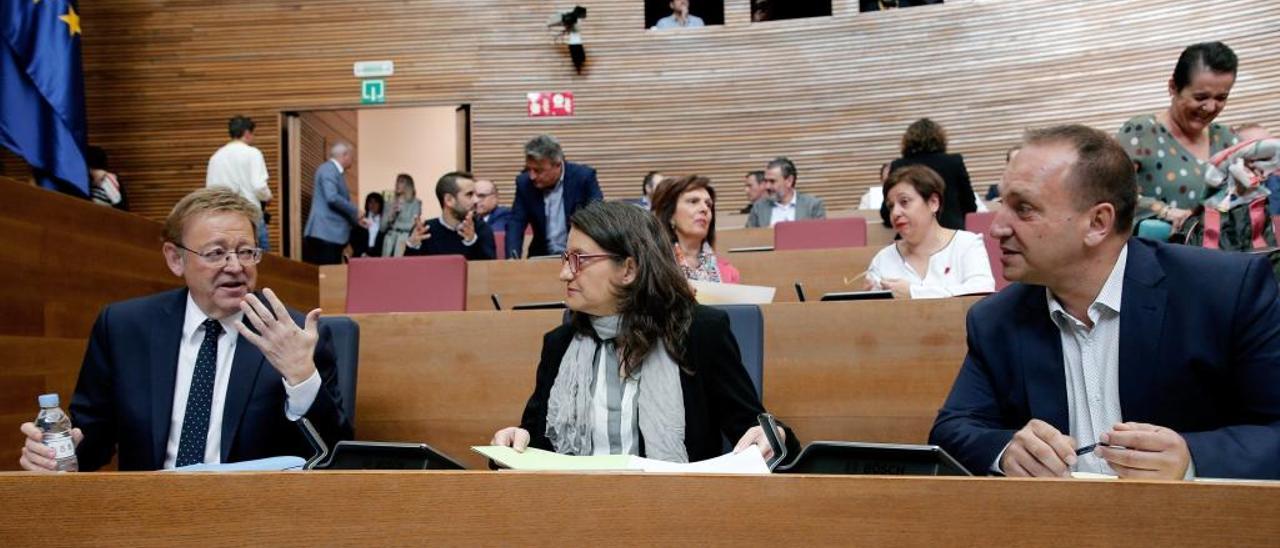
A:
[56,426]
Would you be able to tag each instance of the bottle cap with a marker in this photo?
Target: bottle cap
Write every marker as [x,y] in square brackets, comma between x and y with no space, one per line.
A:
[48,400]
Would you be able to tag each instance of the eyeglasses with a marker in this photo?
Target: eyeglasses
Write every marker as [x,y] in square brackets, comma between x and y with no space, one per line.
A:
[219,256]
[575,259]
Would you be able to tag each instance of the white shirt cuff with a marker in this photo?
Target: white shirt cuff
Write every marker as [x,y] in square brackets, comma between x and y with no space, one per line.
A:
[995,466]
[1191,470]
[300,397]
[474,238]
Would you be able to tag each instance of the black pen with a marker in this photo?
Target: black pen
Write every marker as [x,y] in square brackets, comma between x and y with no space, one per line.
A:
[1091,447]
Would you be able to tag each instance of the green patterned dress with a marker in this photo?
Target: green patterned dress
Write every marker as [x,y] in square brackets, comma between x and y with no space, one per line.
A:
[1167,172]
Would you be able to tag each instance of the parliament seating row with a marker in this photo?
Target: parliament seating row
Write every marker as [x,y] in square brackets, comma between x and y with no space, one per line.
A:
[840,371]
[517,282]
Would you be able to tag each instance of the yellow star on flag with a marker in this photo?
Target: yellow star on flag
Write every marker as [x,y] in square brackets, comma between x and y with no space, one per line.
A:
[71,19]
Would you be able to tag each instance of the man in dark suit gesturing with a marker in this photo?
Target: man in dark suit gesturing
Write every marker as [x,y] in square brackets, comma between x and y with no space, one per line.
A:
[548,191]
[1166,357]
[204,374]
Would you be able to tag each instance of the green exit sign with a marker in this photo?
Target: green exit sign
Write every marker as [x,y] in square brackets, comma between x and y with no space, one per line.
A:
[373,91]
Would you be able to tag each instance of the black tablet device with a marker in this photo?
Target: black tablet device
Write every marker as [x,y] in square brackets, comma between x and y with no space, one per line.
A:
[549,305]
[858,295]
[374,455]
[751,249]
[889,459]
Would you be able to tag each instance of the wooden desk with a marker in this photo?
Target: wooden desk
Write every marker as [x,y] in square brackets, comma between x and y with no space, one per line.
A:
[839,371]
[729,236]
[819,270]
[508,508]
[516,282]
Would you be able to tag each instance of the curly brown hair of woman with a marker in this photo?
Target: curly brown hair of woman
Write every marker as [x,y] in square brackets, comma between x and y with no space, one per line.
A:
[922,137]
[657,306]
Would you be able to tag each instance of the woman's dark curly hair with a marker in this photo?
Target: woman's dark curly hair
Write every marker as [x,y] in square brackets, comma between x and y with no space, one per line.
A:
[922,137]
[656,307]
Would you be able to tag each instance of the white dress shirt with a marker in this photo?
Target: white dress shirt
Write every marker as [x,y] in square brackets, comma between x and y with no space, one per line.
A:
[1091,360]
[375,221]
[240,167]
[299,397]
[784,212]
[960,268]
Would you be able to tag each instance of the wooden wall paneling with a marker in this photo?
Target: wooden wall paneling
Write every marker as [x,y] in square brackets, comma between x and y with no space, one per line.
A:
[820,270]
[515,282]
[447,378]
[62,259]
[321,130]
[13,166]
[851,371]
[832,93]
[33,366]
[838,371]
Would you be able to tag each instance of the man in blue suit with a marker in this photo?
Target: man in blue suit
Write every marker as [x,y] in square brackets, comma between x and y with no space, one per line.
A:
[548,192]
[1166,357]
[208,373]
[332,214]
[487,208]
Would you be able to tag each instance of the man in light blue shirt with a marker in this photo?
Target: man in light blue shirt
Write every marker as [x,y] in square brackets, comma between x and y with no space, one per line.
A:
[679,17]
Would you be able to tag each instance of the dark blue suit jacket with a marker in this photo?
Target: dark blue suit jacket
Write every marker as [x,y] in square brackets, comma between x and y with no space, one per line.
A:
[580,187]
[497,219]
[1199,353]
[124,397]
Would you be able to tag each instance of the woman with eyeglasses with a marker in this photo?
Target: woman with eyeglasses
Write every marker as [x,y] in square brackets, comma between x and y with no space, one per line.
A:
[686,207]
[641,369]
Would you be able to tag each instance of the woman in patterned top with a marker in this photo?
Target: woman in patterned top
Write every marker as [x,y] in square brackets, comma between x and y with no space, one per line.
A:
[1170,148]
[686,208]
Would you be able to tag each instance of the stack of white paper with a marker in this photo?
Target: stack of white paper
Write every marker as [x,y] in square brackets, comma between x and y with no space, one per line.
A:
[749,461]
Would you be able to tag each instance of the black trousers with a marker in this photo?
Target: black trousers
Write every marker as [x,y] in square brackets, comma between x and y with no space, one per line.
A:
[320,252]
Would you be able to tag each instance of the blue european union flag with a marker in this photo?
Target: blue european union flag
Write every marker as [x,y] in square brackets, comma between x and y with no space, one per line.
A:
[42,90]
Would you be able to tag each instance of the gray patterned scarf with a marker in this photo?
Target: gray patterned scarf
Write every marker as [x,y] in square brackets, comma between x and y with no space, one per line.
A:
[659,398]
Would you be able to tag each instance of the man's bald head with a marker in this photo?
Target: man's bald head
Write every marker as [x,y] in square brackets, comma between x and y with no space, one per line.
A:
[486,197]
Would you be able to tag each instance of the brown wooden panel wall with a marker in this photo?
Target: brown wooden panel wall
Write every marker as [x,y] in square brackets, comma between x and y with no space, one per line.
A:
[320,130]
[832,93]
[833,371]
[62,259]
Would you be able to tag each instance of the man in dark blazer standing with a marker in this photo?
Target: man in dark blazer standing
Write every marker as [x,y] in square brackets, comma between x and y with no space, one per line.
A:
[209,373]
[1166,357]
[548,192]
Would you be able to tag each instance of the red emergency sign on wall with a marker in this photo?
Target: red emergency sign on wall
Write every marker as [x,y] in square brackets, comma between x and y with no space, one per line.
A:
[545,103]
